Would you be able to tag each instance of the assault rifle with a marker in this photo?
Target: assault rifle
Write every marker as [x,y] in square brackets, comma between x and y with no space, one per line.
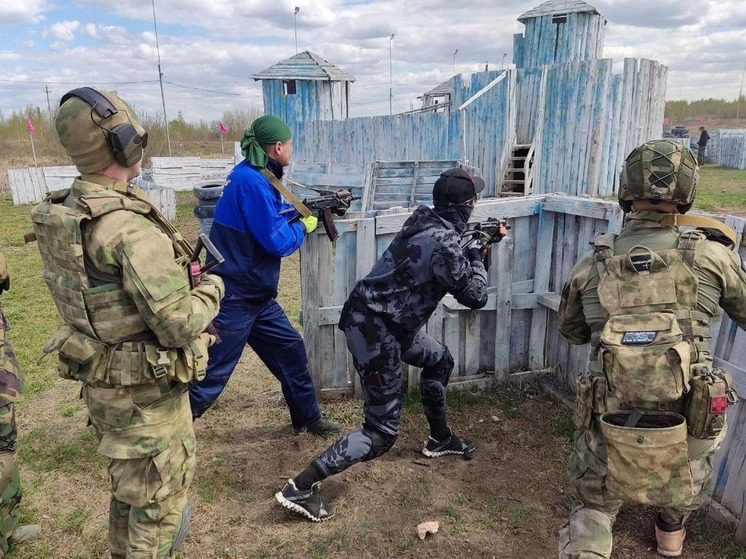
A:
[484,235]
[328,202]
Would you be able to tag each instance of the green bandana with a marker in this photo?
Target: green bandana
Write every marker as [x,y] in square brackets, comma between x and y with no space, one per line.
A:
[264,130]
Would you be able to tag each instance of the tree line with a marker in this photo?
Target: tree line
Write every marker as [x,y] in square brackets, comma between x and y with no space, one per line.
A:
[677,111]
[187,138]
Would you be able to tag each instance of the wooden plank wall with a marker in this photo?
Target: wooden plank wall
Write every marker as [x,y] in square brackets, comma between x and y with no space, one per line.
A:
[581,37]
[589,121]
[184,173]
[728,148]
[26,185]
[488,121]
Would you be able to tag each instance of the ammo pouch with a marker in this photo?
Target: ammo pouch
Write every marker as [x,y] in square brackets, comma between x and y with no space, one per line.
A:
[129,363]
[647,458]
[590,398]
[711,393]
[645,357]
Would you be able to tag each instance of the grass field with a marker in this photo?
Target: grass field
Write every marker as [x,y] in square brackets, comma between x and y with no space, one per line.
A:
[508,502]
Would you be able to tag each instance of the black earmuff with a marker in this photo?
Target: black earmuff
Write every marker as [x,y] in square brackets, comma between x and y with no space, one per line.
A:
[124,142]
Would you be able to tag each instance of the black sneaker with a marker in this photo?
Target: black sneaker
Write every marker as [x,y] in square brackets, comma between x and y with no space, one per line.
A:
[321,427]
[306,503]
[452,445]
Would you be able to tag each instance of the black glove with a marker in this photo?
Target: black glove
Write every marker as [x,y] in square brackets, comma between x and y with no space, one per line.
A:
[475,253]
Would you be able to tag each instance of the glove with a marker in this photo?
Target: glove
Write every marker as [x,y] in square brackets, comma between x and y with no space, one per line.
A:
[310,223]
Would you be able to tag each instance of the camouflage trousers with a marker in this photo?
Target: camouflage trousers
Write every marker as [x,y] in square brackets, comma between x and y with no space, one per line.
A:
[378,355]
[10,489]
[149,439]
[588,533]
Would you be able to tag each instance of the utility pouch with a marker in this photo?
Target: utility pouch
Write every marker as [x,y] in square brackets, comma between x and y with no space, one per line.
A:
[711,393]
[645,358]
[82,358]
[647,458]
[192,359]
[583,402]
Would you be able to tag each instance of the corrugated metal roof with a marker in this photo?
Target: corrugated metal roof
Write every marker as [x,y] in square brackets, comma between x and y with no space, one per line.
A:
[442,89]
[304,66]
[557,7]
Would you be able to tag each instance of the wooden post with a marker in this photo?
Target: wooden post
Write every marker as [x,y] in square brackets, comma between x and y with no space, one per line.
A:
[503,319]
[544,249]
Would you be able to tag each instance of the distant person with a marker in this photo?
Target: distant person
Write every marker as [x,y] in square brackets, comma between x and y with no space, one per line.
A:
[134,331]
[253,235]
[702,143]
[11,388]
[382,321]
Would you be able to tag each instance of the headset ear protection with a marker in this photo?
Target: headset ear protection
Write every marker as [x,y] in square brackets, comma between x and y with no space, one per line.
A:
[124,142]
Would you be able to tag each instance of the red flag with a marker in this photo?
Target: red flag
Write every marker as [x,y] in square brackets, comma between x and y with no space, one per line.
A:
[665,120]
[30,126]
[223,129]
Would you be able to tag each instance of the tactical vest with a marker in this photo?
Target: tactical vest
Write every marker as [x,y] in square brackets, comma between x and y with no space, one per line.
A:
[104,338]
[653,336]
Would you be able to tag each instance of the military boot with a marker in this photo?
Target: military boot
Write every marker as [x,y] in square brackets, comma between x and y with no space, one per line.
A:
[321,427]
[670,538]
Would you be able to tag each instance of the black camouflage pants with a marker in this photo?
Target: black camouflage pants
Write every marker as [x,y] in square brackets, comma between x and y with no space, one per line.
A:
[378,355]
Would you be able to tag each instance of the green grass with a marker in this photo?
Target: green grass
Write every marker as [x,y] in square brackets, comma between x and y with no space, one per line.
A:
[721,190]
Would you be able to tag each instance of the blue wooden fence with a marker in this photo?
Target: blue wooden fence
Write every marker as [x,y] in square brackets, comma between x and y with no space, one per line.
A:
[728,148]
[479,131]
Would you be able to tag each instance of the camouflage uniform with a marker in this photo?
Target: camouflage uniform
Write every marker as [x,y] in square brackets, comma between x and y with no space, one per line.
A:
[382,320]
[11,387]
[716,280]
[134,334]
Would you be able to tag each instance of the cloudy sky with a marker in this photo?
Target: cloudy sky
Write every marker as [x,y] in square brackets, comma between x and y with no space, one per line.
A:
[217,44]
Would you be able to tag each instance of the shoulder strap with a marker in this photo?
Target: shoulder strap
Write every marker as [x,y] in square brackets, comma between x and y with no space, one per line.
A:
[285,191]
[688,241]
[603,249]
[701,222]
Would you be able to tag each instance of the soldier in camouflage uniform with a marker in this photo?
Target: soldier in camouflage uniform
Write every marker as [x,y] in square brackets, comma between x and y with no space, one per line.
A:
[11,388]
[135,322]
[651,408]
[382,320]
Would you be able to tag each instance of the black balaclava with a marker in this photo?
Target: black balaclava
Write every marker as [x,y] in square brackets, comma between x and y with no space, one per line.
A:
[457,214]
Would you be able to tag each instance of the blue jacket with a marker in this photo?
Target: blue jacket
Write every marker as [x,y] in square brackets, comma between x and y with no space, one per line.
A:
[251,234]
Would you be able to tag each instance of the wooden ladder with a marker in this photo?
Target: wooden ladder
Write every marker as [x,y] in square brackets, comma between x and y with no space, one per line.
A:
[519,174]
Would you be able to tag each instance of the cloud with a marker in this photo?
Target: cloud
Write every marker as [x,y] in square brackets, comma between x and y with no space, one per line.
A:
[218,45]
[22,11]
[63,31]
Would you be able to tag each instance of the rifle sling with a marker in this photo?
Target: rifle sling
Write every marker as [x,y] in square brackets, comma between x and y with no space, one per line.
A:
[700,221]
[287,194]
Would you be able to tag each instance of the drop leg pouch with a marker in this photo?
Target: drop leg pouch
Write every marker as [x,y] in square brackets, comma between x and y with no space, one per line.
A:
[648,459]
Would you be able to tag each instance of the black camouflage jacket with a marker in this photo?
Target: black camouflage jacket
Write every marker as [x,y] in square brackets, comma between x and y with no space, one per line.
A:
[423,263]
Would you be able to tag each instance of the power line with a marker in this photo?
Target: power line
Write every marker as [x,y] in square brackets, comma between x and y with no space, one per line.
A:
[203,89]
[78,82]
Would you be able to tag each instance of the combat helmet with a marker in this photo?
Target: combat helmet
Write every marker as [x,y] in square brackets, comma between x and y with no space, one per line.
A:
[659,170]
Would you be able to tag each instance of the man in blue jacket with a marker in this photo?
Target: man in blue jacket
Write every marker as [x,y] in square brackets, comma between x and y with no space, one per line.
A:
[253,235]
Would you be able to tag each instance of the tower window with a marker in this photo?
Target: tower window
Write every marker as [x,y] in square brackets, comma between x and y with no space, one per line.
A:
[288,87]
[559,18]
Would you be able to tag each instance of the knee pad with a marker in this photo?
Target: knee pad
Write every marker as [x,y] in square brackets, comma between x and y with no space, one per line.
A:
[186,520]
[441,371]
[381,442]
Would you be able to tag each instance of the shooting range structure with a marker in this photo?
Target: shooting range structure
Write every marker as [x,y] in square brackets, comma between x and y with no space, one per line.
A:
[727,148]
[558,124]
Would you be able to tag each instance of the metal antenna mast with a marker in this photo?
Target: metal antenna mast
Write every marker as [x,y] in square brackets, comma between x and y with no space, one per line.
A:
[160,80]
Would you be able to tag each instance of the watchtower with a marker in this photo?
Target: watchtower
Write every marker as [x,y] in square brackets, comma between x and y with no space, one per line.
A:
[305,87]
[559,31]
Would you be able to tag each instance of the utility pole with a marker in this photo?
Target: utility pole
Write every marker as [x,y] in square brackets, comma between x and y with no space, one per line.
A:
[49,107]
[295,25]
[160,79]
[391,78]
[454,62]
[740,91]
